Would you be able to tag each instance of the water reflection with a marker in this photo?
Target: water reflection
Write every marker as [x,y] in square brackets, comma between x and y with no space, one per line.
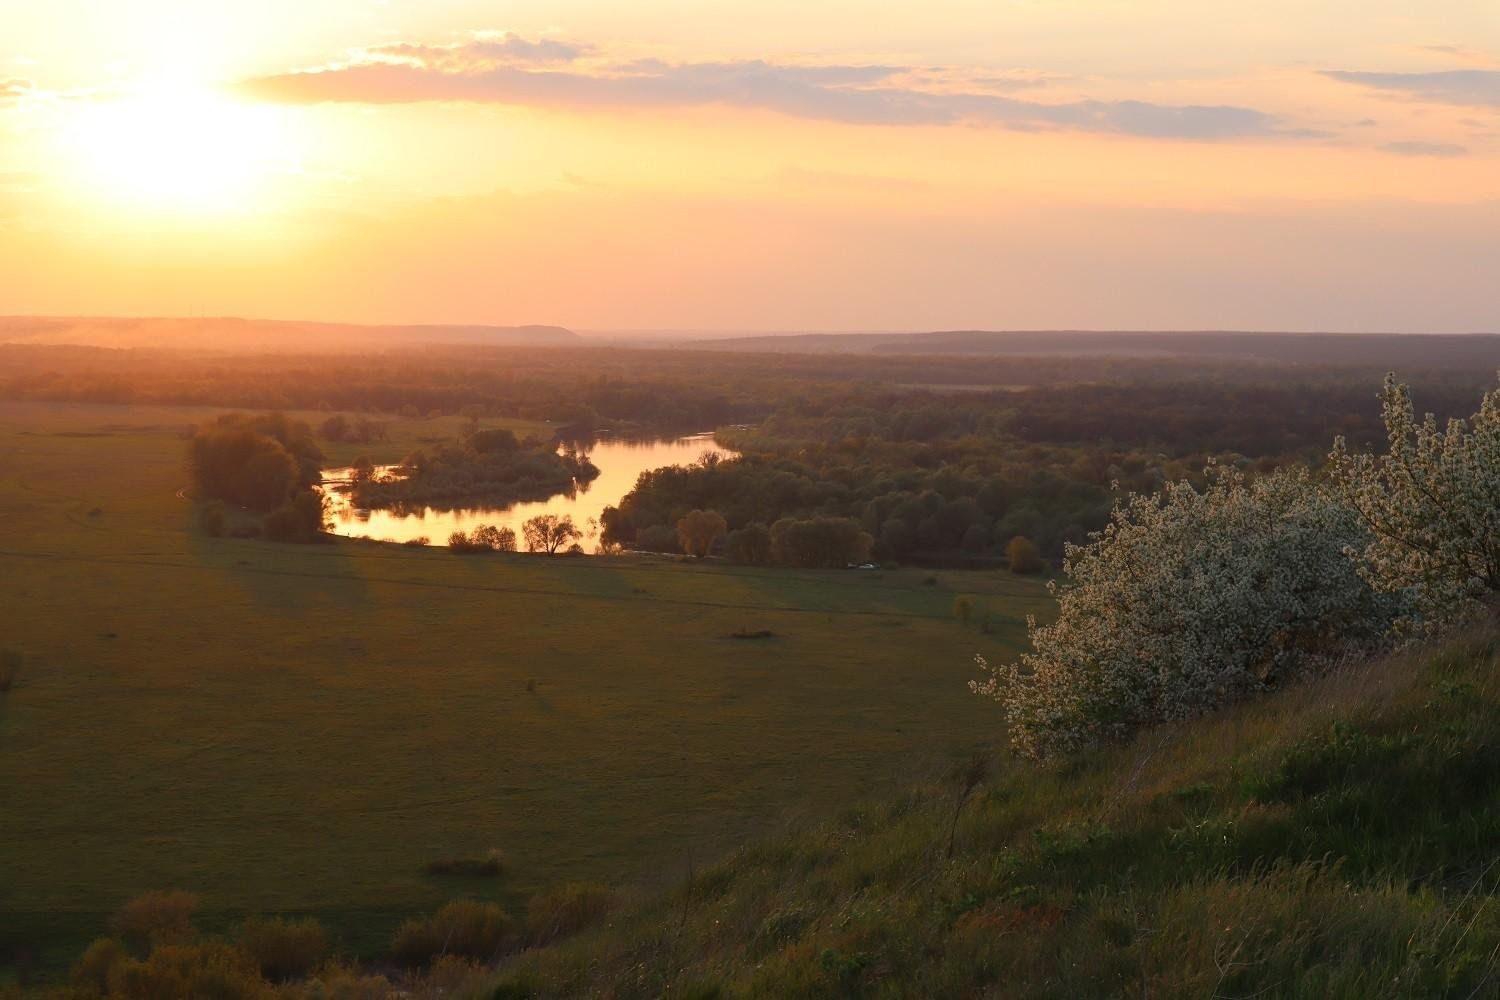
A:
[620,464]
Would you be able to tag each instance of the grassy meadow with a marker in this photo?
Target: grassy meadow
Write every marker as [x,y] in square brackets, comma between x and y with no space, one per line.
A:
[300,729]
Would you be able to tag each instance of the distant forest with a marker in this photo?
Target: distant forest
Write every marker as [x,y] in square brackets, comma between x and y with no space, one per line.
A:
[937,457]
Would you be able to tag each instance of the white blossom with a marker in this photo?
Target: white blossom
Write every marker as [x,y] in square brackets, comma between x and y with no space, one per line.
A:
[1431,504]
[1188,600]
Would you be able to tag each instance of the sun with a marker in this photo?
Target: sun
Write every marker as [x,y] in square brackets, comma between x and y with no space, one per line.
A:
[180,149]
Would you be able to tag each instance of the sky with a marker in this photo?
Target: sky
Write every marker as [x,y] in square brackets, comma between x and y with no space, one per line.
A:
[757,164]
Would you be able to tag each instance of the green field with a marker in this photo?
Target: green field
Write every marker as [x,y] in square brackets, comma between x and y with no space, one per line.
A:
[285,728]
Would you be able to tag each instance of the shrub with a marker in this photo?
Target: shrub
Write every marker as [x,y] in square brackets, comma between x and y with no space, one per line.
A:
[284,949]
[1023,555]
[492,865]
[699,530]
[657,538]
[463,927]
[493,539]
[566,910]
[300,519]
[156,918]
[1187,601]
[820,542]
[94,967]
[189,972]
[750,545]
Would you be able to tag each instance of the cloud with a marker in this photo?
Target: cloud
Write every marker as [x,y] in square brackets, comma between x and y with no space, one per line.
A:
[1470,87]
[852,94]
[482,51]
[1444,149]
[16,90]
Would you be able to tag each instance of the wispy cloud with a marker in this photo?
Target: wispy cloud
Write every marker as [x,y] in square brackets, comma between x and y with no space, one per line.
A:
[1442,149]
[1470,87]
[16,90]
[481,51]
[854,94]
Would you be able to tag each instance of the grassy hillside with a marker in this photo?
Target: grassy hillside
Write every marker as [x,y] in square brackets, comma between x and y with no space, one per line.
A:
[1338,840]
[302,729]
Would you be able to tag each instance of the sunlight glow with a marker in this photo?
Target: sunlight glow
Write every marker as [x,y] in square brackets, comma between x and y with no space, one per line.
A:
[181,150]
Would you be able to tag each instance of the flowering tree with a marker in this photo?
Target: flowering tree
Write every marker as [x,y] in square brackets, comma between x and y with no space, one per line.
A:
[1431,504]
[1186,601]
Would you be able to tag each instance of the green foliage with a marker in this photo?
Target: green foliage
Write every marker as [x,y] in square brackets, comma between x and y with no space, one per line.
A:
[750,545]
[489,468]
[819,542]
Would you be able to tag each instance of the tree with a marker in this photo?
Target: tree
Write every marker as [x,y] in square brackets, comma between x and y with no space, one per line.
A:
[493,538]
[750,545]
[698,531]
[549,532]
[1187,601]
[819,541]
[1024,557]
[1431,504]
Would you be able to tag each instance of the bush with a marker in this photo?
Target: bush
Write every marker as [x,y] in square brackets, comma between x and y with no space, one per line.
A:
[1188,601]
[284,949]
[300,519]
[492,865]
[566,910]
[820,542]
[464,927]
[482,540]
[750,545]
[699,530]
[1024,557]
[156,918]
[94,968]
[189,972]
[657,538]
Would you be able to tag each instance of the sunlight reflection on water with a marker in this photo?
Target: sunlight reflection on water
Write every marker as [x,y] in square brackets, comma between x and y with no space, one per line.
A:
[620,463]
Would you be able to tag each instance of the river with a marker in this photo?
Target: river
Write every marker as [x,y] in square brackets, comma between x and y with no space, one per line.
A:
[620,464]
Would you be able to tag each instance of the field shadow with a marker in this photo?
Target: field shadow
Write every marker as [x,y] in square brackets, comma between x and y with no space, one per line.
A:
[282,577]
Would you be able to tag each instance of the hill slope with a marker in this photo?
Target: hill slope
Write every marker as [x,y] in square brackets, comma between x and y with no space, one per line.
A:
[1339,840]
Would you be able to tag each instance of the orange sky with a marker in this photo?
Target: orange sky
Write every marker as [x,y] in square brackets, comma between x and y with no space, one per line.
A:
[766,165]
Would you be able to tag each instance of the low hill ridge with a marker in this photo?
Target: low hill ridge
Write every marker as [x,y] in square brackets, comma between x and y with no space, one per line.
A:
[235,334]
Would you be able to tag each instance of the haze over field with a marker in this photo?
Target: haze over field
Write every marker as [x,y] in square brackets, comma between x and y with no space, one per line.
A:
[1153,164]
